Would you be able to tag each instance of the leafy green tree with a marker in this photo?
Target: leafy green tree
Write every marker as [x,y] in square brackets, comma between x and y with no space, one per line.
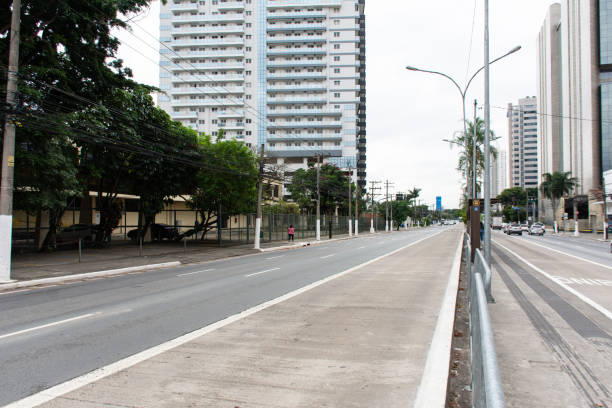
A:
[67,63]
[401,211]
[465,163]
[227,185]
[557,185]
[511,198]
[333,186]
[281,207]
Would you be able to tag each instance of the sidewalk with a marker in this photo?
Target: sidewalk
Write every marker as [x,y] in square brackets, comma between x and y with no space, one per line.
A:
[359,340]
[31,266]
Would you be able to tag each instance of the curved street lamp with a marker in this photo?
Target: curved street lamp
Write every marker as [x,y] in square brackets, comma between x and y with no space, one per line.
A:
[463,93]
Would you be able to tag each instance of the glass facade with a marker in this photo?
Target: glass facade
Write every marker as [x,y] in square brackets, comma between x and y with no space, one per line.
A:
[605,32]
[606,126]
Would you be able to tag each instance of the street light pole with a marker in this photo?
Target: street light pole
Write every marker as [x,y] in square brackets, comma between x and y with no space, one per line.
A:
[318,231]
[487,147]
[463,93]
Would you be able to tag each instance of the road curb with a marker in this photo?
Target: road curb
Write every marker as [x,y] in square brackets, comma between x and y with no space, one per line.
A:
[308,243]
[88,275]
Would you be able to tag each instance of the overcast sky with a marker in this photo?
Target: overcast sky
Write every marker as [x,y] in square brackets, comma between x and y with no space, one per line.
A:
[409,113]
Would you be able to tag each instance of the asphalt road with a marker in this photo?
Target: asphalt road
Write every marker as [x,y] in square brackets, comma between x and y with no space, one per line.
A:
[597,251]
[52,334]
[553,298]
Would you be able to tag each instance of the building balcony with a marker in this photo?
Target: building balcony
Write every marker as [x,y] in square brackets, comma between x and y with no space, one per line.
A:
[231,126]
[207,102]
[205,67]
[230,6]
[296,27]
[206,43]
[293,39]
[303,151]
[295,16]
[303,136]
[219,18]
[296,112]
[207,78]
[276,76]
[297,88]
[183,115]
[290,64]
[207,54]
[303,3]
[207,30]
[233,113]
[294,51]
[207,90]
[285,101]
[306,125]
[184,7]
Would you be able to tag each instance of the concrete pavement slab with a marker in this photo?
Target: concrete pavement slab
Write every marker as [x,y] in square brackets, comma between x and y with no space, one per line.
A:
[360,340]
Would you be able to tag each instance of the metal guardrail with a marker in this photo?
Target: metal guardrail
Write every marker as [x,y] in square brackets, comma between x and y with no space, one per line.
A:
[487,389]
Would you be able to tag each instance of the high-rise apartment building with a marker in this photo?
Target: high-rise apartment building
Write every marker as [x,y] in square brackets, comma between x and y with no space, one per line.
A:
[499,168]
[288,74]
[523,143]
[575,92]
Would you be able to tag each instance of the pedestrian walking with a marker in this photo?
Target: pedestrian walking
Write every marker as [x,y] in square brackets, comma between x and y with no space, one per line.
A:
[291,231]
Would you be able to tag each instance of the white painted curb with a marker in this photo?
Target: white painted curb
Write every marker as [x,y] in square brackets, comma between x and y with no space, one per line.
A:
[432,390]
[66,278]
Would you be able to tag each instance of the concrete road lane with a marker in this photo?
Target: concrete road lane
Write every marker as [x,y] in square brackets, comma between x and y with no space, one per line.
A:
[554,339]
[360,340]
[131,313]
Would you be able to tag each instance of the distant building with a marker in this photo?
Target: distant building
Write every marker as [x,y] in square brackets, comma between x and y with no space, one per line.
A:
[498,173]
[523,143]
[288,74]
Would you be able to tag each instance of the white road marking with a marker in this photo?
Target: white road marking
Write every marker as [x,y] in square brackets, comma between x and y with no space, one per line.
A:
[14,291]
[113,368]
[432,390]
[4,336]
[328,256]
[571,290]
[259,273]
[274,257]
[583,281]
[193,273]
[570,255]
[361,247]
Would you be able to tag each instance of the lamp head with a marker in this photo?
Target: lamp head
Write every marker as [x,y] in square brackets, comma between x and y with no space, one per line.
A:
[515,49]
[408,67]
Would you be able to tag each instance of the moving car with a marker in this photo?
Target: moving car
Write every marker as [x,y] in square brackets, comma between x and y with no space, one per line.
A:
[158,232]
[537,229]
[525,227]
[514,229]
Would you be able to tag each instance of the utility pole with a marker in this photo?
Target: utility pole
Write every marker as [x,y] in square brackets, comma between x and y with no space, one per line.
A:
[391,219]
[259,194]
[350,198]
[474,142]
[318,233]
[356,205]
[387,206]
[373,188]
[8,152]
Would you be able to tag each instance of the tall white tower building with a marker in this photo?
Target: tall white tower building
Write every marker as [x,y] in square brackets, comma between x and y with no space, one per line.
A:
[523,143]
[289,74]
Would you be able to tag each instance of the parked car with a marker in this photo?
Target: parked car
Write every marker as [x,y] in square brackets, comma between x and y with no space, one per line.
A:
[514,229]
[158,232]
[537,229]
[76,232]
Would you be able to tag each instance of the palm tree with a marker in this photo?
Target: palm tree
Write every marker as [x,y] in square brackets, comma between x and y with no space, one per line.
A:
[556,186]
[465,158]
